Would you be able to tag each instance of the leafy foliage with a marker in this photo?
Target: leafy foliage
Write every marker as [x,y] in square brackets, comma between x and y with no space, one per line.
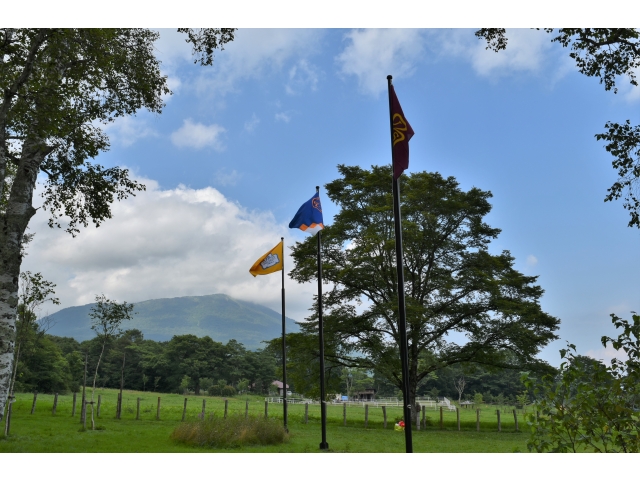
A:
[206,40]
[453,283]
[623,142]
[590,406]
[107,316]
[58,86]
[607,54]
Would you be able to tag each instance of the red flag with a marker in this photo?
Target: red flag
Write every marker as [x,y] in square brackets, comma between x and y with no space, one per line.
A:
[402,133]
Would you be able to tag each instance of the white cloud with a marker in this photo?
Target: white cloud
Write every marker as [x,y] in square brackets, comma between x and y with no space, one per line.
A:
[127,130]
[224,178]
[167,243]
[630,93]
[198,135]
[532,260]
[301,75]
[283,117]
[607,354]
[250,125]
[255,53]
[171,48]
[373,54]
[527,51]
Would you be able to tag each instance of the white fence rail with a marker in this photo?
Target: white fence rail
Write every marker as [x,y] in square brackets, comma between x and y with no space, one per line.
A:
[381,402]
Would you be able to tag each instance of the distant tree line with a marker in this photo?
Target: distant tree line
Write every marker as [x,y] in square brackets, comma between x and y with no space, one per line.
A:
[49,363]
[485,383]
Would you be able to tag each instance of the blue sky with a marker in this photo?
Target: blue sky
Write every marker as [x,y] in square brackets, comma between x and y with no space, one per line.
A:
[240,145]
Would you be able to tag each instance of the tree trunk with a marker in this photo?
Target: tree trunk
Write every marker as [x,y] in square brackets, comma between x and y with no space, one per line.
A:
[124,356]
[95,376]
[12,227]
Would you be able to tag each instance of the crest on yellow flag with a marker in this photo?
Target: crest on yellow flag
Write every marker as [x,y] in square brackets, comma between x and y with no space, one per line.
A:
[270,262]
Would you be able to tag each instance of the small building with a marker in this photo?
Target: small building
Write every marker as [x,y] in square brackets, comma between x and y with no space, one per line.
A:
[278,385]
[366,395]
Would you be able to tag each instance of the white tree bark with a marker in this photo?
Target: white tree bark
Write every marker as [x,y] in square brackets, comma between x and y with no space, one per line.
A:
[14,223]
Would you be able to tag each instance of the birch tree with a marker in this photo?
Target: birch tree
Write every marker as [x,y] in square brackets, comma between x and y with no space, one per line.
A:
[57,88]
[106,320]
[459,384]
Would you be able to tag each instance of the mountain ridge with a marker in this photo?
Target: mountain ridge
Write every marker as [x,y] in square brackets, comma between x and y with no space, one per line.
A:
[218,316]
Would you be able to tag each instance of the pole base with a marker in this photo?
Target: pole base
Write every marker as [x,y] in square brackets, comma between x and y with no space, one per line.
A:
[324,446]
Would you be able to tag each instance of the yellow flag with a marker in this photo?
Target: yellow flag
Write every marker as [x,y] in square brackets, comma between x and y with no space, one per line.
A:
[270,262]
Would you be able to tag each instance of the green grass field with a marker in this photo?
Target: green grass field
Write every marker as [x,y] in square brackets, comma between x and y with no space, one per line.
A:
[43,432]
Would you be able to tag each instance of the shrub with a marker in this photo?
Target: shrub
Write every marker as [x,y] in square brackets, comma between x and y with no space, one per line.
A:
[588,405]
[234,431]
[228,391]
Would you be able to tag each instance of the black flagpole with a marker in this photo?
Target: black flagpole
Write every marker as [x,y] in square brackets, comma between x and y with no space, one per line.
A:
[323,405]
[402,320]
[284,350]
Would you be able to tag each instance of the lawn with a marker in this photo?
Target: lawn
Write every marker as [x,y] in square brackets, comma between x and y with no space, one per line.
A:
[43,432]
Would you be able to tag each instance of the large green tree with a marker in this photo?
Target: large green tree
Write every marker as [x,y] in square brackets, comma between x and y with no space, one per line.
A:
[463,303]
[607,54]
[57,86]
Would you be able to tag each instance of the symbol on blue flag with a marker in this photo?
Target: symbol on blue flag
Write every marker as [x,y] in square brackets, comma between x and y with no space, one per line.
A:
[309,216]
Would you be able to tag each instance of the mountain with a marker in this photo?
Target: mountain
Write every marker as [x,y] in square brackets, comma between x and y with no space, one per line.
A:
[218,316]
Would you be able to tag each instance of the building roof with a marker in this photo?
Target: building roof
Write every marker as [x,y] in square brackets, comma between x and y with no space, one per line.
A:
[278,384]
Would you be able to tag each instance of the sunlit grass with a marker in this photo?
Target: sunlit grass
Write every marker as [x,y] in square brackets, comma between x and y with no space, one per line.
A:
[43,432]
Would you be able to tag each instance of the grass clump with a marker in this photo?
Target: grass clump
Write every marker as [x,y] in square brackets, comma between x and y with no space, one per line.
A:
[234,431]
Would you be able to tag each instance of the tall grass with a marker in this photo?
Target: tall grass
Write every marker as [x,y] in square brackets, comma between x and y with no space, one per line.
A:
[234,431]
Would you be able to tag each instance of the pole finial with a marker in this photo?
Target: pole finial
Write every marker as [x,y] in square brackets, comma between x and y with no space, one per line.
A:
[317,189]
[282,238]
[389,77]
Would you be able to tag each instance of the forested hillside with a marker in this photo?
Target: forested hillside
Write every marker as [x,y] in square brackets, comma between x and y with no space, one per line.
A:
[218,316]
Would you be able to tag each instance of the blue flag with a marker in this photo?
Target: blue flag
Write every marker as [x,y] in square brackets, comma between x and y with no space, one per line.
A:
[309,216]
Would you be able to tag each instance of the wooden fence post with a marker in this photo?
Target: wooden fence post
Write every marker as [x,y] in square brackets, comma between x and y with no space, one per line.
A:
[98,407]
[138,408]
[184,409]
[204,406]
[226,407]
[120,399]
[158,411]
[83,408]
[366,415]
[246,409]
[118,406]
[73,407]
[458,417]
[424,416]
[306,413]
[35,396]
[441,419]
[477,419]
[384,416]
[417,416]
[55,404]
[344,414]
[266,409]
[499,422]
[515,417]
